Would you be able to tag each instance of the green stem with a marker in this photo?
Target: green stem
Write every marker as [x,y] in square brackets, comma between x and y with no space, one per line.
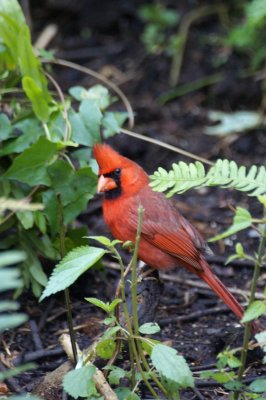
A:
[134,301]
[62,234]
[248,326]
[131,341]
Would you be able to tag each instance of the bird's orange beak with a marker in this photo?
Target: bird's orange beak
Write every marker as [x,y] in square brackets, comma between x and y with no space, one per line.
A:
[105,184]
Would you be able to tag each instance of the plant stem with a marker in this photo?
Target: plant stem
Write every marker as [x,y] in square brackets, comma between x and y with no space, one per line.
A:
[131,341]
[62,234]
[247,331]
[134,300]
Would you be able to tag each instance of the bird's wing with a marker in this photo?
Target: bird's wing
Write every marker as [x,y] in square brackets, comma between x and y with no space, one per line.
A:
[179,244]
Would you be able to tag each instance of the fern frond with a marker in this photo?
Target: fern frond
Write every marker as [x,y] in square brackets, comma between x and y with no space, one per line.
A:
[225,173]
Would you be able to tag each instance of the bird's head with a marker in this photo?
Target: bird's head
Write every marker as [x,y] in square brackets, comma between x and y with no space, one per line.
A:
[117,174]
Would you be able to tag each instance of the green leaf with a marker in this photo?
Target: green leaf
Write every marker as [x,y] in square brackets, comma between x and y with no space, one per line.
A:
[255,310]
[5,127]
[114,303]
[8,306]
[79,383]
[124,393]
[31,166]
[91,116]
[258,386]
[11,321]
[171,365]
[149,328]
[11,257]
[102,239]
[35,94]
[26,219]
[115,375]
[71,267]
[242,220]
[30,130]
[9,279]
[80,133]
[99,303]
[105,348]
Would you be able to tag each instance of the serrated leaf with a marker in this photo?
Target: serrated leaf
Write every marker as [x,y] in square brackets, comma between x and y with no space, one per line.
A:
[79,383]
[31,166]
[149,328]
[98,303]
[74,264]
[255,310]
[171,365]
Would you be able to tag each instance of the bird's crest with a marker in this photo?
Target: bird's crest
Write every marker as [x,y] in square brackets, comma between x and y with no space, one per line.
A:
[108,159]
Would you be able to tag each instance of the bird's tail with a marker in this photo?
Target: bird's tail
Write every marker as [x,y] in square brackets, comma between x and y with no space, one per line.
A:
[221,290]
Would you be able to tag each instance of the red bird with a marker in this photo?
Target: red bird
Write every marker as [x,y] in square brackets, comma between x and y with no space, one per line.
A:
[167,239]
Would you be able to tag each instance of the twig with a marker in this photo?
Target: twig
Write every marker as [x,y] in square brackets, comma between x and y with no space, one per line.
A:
[35,335]
[183,32]
[45,313]
[37,355]
[46,36]
[100,382]
[165,145]
[101,78]
[199,284]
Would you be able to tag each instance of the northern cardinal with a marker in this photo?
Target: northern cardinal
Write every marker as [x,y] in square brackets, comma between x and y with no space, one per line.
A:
[167,239]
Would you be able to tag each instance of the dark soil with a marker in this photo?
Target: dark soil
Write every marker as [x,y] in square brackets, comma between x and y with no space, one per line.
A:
[114,48]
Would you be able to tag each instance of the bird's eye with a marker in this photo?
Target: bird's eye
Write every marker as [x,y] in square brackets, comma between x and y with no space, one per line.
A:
[117,171]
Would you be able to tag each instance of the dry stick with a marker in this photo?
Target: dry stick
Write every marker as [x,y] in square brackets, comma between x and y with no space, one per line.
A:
[183,31]
[66,291]
[165,145]
[100,382]
[101,78]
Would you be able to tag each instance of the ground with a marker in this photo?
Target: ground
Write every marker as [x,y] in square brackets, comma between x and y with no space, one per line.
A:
[192,318]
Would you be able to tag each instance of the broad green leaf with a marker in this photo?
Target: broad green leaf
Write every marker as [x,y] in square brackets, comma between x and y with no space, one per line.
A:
[11,321]
[149,328]
[171,365]
[102,239]
[29,129]
[258,386]
[124,393]
[98,303]
[71,267]
[76,189]
[115,375]
[105,348]
[5,127]
[91,116]
[112,121]
[80,133]
[36,96]
[31,166]
[79,382]
[12,9]
[242,220]
[255,310]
